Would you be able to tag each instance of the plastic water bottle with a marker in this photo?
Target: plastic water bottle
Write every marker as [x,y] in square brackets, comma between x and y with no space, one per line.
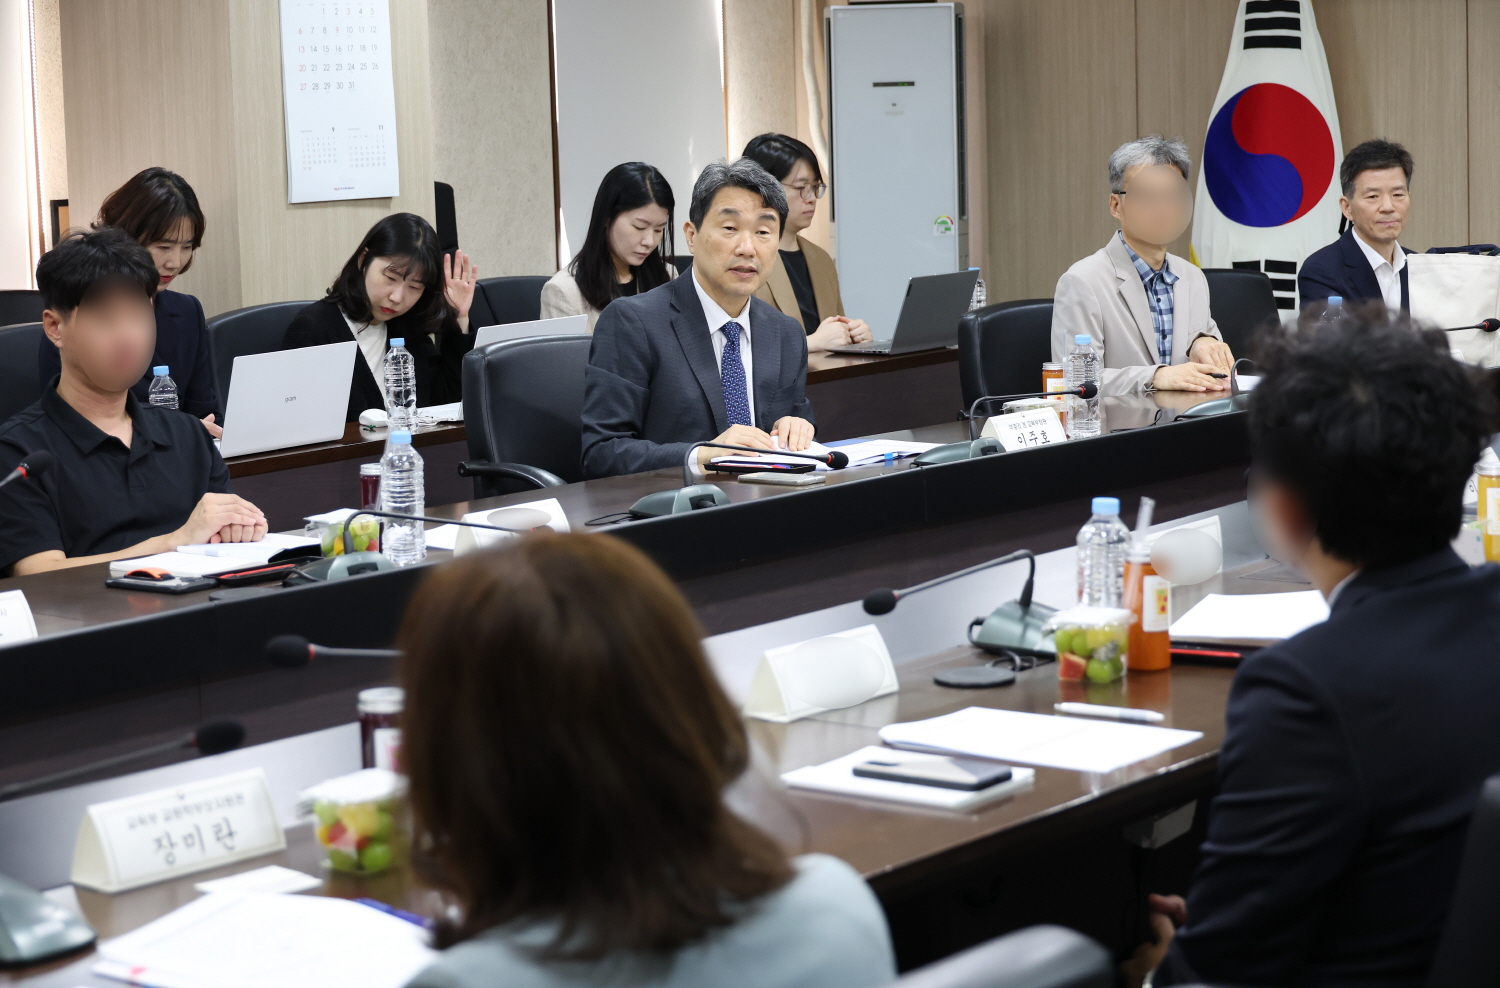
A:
[1083,367]
[400,387]
[402,492]
[981,296]
[1333,310]
[163,389]
[1102,547]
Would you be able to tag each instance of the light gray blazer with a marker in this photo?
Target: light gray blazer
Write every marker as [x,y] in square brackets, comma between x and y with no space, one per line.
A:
[824,929]
[1102,295]
[561,297]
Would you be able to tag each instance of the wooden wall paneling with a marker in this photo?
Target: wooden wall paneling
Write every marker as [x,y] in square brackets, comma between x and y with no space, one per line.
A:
[1484,123]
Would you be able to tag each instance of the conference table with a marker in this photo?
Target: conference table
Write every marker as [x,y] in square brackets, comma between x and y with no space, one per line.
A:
[114,671]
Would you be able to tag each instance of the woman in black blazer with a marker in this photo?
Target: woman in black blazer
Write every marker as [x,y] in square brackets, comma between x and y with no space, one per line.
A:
[397,284]
[160,211]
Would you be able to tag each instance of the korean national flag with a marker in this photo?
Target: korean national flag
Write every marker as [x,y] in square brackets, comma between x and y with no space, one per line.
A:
[1268,192]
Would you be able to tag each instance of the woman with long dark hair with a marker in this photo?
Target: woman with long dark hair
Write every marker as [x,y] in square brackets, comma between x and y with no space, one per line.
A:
[396,284]
[803,283]
[568,747]
[622,253]
[160,211]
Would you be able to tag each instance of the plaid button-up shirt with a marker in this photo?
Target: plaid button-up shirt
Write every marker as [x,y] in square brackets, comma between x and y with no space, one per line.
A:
[1158,285]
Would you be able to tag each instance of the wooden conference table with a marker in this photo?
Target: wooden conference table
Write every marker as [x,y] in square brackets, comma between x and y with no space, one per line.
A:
[853,395]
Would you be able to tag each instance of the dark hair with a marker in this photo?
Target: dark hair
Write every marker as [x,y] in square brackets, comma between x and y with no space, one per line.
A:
[1375,428]
[150,205]
[625,187]
[568,747]
[1372,156]
[413,244]
[87,261]
[743,173]
[778,154]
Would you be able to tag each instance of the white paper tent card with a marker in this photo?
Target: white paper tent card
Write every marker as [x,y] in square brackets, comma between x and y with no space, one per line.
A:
[821,674]
[529,517]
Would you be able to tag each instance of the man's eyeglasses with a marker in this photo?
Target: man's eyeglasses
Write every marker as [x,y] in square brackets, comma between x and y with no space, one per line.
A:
[1153,197]
[807,193]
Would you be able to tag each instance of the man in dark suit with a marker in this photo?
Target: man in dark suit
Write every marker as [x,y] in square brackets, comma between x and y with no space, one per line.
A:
[1366,264]
[1355,751]
[700,358]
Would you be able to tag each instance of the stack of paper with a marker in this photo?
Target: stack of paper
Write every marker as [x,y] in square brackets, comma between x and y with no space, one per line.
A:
[740,459]
[208,559]
[1036,739]
[838,777]
[268,940]
[876,451]
[1251,618]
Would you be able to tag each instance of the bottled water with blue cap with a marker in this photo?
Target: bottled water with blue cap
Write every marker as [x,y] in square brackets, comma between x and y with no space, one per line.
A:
[402,492]
[400,387]
[163,392]
[1102,547]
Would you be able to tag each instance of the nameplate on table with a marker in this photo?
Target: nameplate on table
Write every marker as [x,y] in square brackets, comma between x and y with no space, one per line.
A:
[126,843]
[533,516]
[821,674]
[1026,429]
[16,622]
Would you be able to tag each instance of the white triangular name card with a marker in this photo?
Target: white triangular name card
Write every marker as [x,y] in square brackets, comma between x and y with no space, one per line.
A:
[531,516]
[821,674]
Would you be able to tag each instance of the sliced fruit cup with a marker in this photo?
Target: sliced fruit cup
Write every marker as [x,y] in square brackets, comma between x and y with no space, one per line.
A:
[328,529]
[1093,643]
[361,821]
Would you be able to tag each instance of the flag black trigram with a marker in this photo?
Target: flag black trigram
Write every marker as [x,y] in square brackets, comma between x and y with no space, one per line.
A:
[1283,276]
[1261,16]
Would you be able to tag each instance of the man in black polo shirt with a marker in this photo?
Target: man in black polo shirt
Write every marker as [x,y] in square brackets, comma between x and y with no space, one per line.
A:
[128,479]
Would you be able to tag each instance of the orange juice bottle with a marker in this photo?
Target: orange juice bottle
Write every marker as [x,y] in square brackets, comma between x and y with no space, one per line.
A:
[1489,503]
[1150,597]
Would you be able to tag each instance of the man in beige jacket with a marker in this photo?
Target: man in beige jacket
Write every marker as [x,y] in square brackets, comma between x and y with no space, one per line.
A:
[1146,310]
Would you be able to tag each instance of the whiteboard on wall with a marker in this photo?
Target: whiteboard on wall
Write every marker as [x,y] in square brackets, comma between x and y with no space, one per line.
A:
[340,98]
[636,81]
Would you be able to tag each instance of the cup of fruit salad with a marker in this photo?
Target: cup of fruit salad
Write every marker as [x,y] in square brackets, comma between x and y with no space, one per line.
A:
[360,819]
[1092,642]
[328,529]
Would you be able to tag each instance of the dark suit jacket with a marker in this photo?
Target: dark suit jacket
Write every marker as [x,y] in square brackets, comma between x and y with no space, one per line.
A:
[1342,269]
[1351,764]
[652,386]
[437,364]
[181,344]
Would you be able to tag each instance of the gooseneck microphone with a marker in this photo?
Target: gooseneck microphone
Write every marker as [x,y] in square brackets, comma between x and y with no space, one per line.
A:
[834,458]
[1488,325]
[213,738]
[292,651]
[32,466]
[1087,390]
[884,601]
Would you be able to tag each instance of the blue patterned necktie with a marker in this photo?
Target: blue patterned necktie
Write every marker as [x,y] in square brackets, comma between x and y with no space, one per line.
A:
[732,376]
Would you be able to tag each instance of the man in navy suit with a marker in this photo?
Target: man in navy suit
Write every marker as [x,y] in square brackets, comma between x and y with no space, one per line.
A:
[1366,264]
[700,358]
[1354,751]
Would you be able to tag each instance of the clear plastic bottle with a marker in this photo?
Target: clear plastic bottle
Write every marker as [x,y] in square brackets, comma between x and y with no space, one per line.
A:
[1083,366]
[1102,546]
[1488,471]
[400,387]
[402,492]
[163,389]
[1333,310]
[981,295]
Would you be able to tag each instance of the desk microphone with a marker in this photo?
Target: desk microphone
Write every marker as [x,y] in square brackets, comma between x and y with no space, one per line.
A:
[1488,325]
[691,496]
[292,651]
[1013,628]
[32,466]
[213,738]
[1087,390]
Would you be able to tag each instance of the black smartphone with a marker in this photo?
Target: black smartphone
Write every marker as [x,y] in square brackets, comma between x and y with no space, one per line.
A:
[945,773]
[168,584]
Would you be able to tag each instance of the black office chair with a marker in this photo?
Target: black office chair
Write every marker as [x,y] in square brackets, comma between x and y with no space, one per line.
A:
[523,410]
[1036,957]
[20,305]
[517,298]
[20,381]
[1241,302]
[253,329]
[1466,949]
[1001,348]
[682,262]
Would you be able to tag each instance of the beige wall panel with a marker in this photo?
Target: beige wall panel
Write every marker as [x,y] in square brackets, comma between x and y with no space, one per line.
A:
[1484,123]
[1399,71]
[1061,97]
[821,232]
[126,111]
[760,70]
[294,251]
[1181,46]
[492,129]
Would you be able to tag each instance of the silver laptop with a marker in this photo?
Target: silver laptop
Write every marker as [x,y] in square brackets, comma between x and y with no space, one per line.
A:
[929,315]
[561,326]
[288,398]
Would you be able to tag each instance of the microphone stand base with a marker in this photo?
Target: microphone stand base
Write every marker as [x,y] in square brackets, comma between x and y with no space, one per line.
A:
[33,928]
[1012,628]
[679,501]
[975,677]
[337,568]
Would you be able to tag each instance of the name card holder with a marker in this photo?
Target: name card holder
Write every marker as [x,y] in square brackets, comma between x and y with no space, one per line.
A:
[1026,429]
[821,674]
[126,843]
[16,622]
[531,516]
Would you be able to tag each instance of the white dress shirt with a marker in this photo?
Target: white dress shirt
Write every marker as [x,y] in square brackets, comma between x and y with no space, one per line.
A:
[371,339]
[717,317]
[1338,587]
[1387,275]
